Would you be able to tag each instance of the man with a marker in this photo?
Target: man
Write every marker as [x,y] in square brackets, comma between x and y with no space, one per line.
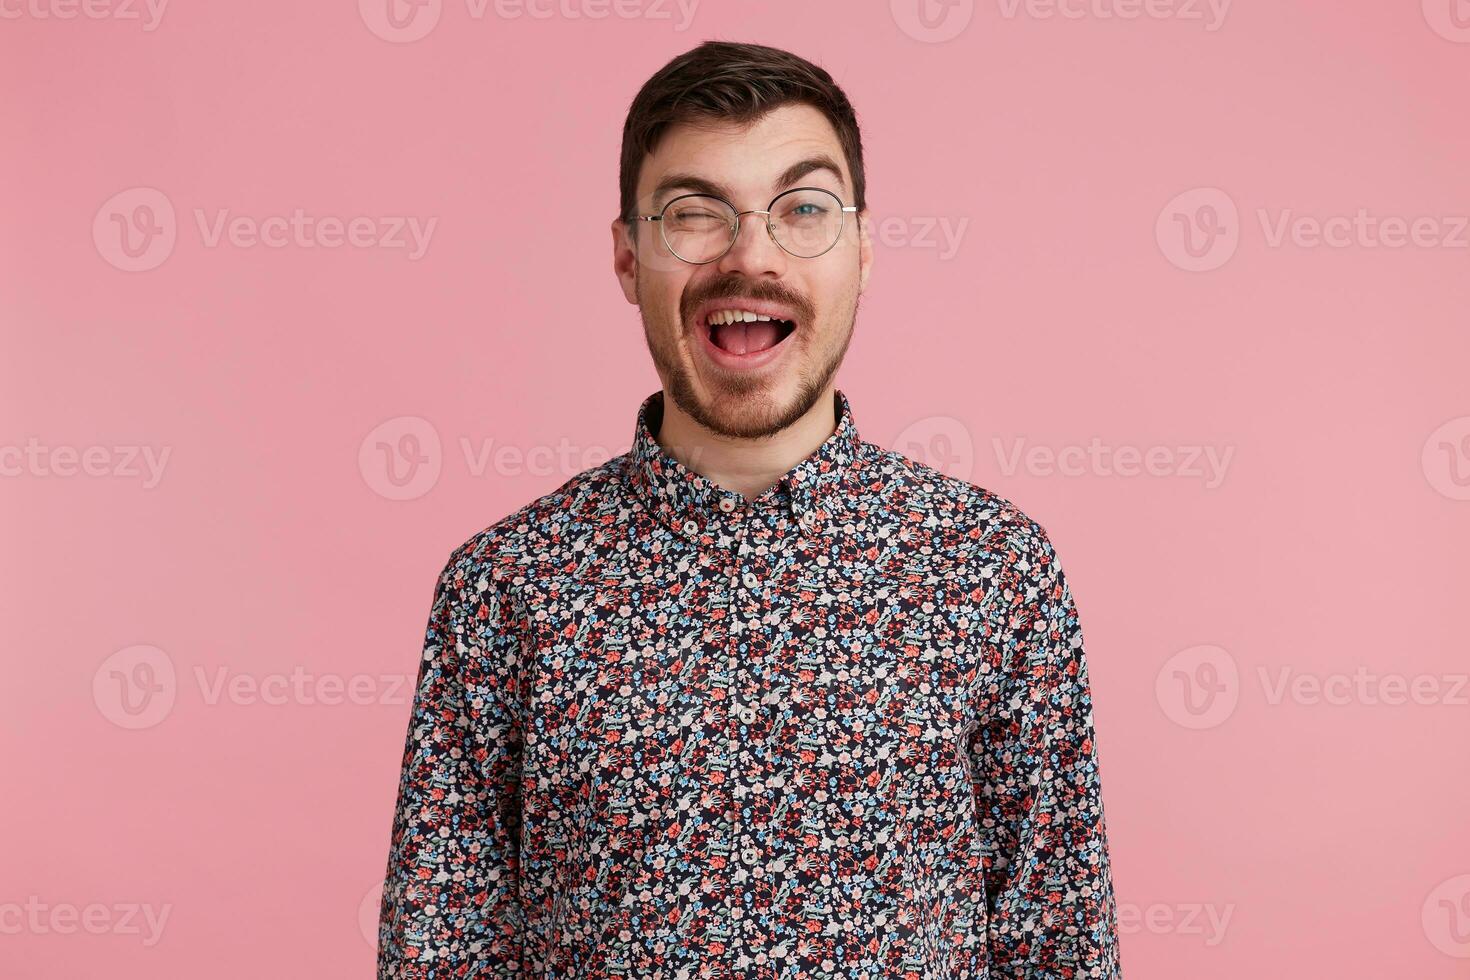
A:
[757,698]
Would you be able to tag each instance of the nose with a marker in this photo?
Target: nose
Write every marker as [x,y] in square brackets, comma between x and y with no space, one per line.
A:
[754,252]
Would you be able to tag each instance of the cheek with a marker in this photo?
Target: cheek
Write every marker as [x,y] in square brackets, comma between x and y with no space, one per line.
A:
[667,288]
[659,297]
[834,295]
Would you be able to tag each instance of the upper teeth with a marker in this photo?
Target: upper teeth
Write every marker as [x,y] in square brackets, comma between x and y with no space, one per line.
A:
[735,316]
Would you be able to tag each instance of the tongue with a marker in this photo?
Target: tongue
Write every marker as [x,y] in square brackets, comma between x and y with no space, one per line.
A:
[745,338]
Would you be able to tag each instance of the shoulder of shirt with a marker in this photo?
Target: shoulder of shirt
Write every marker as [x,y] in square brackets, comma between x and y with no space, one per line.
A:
[993,521]
[997,522]
[525,534]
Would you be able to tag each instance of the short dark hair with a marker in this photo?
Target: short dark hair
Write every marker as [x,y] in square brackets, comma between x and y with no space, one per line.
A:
[739,83]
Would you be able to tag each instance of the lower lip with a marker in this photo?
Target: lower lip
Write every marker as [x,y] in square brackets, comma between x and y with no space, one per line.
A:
[742,362]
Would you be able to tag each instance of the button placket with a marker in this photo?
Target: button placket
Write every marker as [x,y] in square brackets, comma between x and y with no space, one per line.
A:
[749,729]
[737,712]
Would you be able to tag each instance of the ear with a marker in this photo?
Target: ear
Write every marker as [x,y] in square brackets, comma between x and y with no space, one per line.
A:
[625,257]
[865,250]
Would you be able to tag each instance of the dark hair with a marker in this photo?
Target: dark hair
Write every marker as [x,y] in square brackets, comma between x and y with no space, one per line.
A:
[735,82]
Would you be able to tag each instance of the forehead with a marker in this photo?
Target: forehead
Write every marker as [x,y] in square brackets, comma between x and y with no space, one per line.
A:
[747,160]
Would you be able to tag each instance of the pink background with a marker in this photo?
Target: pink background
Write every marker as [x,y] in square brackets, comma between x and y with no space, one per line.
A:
[1256,829]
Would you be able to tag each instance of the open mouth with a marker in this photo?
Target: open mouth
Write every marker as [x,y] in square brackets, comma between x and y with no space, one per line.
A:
[742,332]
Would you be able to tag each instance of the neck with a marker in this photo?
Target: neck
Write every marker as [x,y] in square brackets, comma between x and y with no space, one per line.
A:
[748,466]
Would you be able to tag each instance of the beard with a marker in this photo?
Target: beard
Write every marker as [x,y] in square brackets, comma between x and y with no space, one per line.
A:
[739,406]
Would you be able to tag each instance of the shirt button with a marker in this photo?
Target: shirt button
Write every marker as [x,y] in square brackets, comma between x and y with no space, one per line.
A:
[746,713]
[750,855]
[727,504]
[691,527]
[750,580]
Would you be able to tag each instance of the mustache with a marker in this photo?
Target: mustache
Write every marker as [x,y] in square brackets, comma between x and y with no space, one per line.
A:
[734,287]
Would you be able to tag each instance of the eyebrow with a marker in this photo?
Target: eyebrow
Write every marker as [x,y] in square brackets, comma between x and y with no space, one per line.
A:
[695,184]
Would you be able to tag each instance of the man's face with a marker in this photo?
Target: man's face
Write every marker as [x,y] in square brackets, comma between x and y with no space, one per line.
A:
[753,378]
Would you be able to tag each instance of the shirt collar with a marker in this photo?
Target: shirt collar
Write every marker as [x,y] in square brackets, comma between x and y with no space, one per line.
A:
[689,502]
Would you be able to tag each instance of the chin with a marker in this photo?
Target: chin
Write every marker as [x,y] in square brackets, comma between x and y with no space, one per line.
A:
[765,408]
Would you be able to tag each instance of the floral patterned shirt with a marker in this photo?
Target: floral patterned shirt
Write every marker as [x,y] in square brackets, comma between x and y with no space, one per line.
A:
[843,729]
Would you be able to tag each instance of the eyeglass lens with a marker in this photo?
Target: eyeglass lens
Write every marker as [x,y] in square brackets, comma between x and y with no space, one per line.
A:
[806,222]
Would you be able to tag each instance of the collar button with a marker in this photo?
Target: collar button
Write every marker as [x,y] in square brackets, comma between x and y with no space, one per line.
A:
[727,504]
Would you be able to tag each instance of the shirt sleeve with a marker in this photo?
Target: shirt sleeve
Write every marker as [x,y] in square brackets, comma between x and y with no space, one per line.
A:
[1049,889]
[450,899]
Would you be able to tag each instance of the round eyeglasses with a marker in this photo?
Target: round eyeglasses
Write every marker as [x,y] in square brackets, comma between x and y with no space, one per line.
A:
[699,228]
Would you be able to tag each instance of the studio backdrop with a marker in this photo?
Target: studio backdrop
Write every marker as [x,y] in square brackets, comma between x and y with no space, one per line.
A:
[297,297]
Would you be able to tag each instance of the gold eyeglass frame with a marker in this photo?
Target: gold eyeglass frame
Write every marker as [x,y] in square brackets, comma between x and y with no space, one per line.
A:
[843,209]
